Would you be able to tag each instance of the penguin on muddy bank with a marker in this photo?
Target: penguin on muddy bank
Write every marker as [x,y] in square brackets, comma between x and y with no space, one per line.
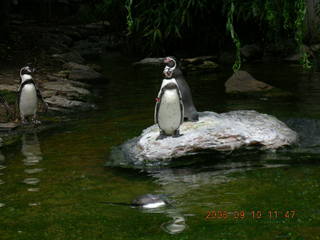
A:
[28,94]
[173,73]
[169,111]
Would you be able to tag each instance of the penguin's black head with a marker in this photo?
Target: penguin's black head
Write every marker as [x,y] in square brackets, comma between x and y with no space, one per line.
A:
[170,66]
[171,62]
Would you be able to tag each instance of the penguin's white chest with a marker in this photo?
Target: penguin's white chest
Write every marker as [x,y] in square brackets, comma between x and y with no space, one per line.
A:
[28,102]
[169,115]
[166,81]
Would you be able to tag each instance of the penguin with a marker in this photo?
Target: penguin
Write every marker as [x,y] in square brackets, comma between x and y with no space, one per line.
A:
[28,94]
[173,73]
[169,111]
[147,201]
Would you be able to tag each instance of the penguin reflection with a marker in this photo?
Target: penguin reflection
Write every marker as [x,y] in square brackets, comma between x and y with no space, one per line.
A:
[2,166]
[31,149]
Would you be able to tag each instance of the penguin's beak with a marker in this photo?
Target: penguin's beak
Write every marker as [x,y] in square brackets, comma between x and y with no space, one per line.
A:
[166,60]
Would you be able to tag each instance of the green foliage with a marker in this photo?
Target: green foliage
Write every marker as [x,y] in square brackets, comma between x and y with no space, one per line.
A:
[299,24]
[154,22]
[157,25]
[236,66]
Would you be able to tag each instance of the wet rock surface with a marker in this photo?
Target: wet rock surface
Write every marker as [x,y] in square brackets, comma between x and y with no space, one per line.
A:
[217,132]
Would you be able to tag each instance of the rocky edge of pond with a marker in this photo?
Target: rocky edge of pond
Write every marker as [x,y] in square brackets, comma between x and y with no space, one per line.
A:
[63,74]
[240,83]
[66,86]
[201,64]
[225,132]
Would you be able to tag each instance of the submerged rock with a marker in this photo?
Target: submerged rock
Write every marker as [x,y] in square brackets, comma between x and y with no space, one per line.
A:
[200,64]
[219,132]
[242,82]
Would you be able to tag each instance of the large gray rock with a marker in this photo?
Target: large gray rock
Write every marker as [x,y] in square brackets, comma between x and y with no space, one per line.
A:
[58,101]
[72,66]
[149,61]
[242,82]
[69,57]
[9,87]
[64,87]
[84,75]
[220,132]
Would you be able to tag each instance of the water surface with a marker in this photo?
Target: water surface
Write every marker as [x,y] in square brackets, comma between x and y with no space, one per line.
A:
[52,183]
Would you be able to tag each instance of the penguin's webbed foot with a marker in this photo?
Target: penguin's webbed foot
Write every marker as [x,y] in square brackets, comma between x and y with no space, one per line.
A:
[177,134]
[23,120]
[161,136]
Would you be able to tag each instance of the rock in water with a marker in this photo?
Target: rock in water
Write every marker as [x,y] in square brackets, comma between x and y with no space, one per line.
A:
[220,132]
[242,81]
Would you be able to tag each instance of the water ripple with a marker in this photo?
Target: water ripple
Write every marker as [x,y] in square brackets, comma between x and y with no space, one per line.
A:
[33,170]
[31,181]
[33,189]
[34,204]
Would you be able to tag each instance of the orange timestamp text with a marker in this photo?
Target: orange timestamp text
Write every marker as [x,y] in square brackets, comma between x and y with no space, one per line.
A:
[253,214]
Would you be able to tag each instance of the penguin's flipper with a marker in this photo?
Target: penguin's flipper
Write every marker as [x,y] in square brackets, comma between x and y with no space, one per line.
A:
[181,107]
[39,95]
[156,110]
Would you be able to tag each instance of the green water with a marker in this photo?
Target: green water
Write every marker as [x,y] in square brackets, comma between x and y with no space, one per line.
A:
[52,182]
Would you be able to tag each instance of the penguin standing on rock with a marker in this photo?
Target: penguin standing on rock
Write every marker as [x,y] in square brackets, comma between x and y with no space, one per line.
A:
[28,94]
[173,73]
[169,111]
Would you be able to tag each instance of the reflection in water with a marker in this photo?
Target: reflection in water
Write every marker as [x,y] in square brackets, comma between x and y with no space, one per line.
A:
[178,183]
[309,133]
[177,223]
[2,166]
[32,158]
